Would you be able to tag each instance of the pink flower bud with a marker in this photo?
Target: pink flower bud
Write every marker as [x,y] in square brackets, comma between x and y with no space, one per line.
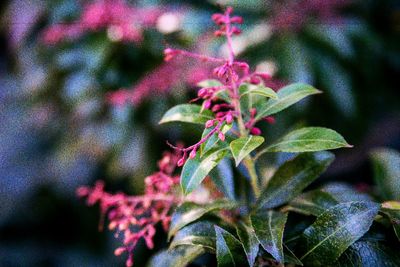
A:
[236,30]
[207,104]
[149,242]
[229,118]
[181,161]
[202,92]
[229,10]
[255,131]
[82,191]
[218,33]
[269,119]
[209,123]
[237,19]
[255,80]
[192,154]
[119,251]
[217,17]
[169,54]
[221,136]
[112,225]
[220,114]
[221,71]
[244,66]
[215,108]
[129,262]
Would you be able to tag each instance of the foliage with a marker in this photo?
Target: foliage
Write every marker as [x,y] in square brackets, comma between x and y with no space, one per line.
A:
[84,131]
[325,226]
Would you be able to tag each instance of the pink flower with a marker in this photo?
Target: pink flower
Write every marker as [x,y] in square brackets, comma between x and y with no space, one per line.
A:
[135,217]
[292,15]
[181,70]
[124,22]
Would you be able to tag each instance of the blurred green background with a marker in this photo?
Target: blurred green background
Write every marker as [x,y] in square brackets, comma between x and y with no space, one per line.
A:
[58,130]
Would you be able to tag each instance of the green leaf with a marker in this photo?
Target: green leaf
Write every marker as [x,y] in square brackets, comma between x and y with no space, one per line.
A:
[199,233]
[242,147]
[287,96]
[179,256]
[223,178]
[313,203]
[368,254]
[247,88]
[209,83]
[392,210]
[308,139]
[387,172]
[268,227]
[335,230]
[391,205]
[187,113]
[189,212]
[343,192]
[195,170]
[229,249]
[293,177]
[249,241]
[213,140]
[224,95]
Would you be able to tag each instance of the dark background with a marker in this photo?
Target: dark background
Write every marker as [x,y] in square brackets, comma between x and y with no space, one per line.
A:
[58,132]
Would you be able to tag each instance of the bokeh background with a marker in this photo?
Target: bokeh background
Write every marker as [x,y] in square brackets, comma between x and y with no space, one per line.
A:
[64,121]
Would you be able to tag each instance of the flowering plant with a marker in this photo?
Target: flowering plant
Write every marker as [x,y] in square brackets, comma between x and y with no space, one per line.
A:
[268,220]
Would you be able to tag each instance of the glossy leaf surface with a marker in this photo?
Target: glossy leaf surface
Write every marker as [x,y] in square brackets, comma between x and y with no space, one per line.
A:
[387,172]
[293,177]
[313,203]
[242,147]
[308,139]
[198,233]
[335,230]
[229,250]
[249,241]
[187,113]
[195,170]
[189,212]
[268,227]
[287,96]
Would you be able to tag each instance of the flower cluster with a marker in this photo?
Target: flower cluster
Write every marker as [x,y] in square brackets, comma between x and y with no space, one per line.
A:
[231,73]
[136,216]
[122,21]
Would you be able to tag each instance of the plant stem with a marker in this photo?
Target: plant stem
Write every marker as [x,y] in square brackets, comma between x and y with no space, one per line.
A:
[248,161]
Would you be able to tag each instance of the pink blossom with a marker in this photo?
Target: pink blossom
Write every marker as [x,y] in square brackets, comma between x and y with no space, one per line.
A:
[123,21]
[181,70]
[293,14]
[135,217]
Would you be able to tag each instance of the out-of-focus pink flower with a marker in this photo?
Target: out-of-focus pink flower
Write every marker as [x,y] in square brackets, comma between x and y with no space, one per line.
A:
[182,70]
[293,14]
[136,216]
[123,22]
[60,32]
